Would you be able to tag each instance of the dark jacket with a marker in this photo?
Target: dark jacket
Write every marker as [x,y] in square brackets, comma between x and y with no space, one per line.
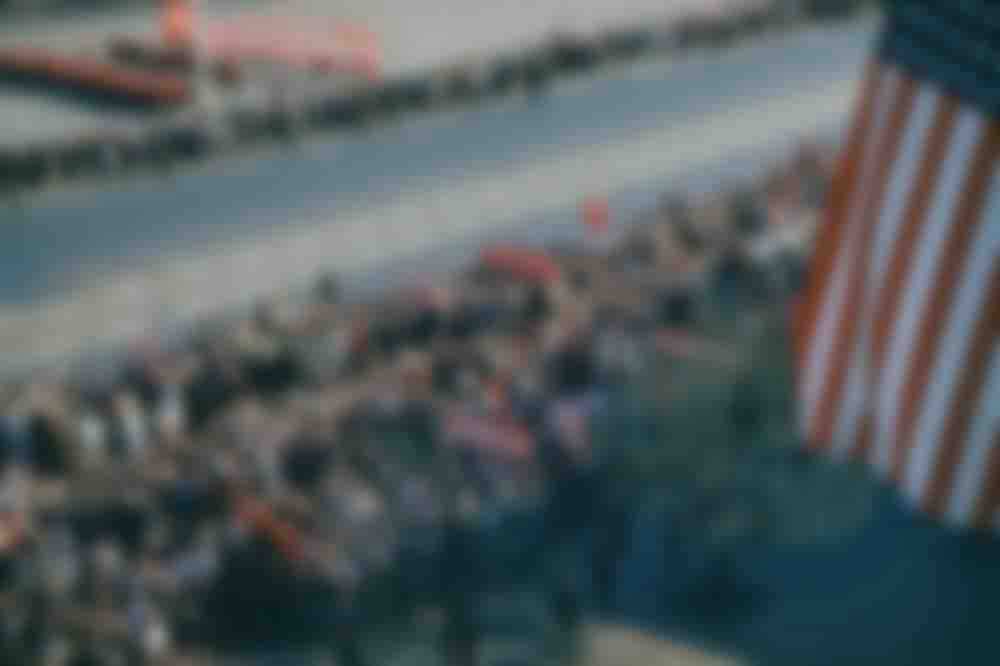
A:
[257,599]
[464,580]
[571,371]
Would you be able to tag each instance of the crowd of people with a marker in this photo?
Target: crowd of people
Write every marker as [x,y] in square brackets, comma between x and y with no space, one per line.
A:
[322,466]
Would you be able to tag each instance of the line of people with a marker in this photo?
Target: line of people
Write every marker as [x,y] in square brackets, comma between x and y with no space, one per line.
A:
[323,468]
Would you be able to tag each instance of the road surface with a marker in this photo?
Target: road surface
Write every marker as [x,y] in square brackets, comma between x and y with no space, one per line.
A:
[80,267]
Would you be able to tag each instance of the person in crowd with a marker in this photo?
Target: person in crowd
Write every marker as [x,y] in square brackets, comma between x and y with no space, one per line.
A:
[420,515]
[14,437]
[50,445]
[680,214]
[677,305]
[465,584]
[117,504]
[94,438]
[746,213]
[215,385]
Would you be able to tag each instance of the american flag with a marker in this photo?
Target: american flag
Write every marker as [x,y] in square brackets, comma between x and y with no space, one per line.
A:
[897,354]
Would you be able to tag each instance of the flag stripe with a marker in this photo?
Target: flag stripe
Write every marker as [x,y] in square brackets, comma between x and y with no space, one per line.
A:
[985,515]
[961,366]
[853,403]
[914,294]
[905,181]
[972,468]
[904,253]
[966,338]
[943,278]
[834,293]
[850,321]
[915,217]
[866,435]
[832,233]
[970,383]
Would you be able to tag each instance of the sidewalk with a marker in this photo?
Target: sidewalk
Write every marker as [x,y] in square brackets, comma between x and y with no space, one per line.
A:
[412,38]
[610,644]
[414,35]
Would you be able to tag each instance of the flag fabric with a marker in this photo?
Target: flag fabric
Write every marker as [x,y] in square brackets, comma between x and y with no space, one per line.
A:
[490,435]
[177,22]
[897,331]
[596,214]
[521,262]
[263,521]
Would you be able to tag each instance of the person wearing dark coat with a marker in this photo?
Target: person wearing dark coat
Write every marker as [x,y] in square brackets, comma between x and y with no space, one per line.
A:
[566,514]
[537,307]
[211,390]
[306,461]
[273,374]
[677,306]
[464,581]
[50,454]
[254,597]
[572,370]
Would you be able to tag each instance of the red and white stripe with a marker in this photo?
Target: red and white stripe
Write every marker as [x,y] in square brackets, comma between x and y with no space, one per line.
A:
[490,435]
[897,335]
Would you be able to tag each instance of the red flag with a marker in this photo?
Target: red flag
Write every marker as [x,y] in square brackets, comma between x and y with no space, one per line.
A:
[261,519]
[489,434]
[520,262]
[177,22]
[896,333]
[596,214]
